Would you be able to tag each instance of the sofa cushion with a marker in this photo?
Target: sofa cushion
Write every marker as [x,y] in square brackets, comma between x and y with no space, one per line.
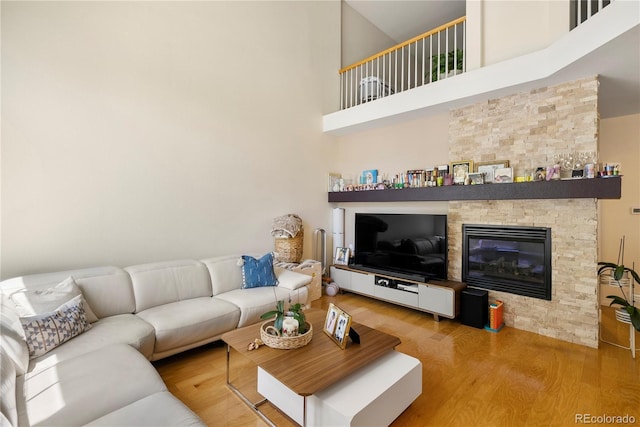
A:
[107,289]
[166,282]
[46,331]
[255,302]
[87,387]
[190,321]
[12,339]
[259,272]
[30,302]
[158,409]
[8,407]
[225,273]
[120,329]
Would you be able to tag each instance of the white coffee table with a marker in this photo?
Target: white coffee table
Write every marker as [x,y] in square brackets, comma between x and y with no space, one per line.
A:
[320,381]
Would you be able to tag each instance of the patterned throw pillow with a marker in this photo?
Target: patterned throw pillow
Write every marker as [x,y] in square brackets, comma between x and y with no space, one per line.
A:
[44,332]
[258,272]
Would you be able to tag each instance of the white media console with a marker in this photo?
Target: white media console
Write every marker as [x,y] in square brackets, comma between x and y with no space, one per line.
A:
[438,297]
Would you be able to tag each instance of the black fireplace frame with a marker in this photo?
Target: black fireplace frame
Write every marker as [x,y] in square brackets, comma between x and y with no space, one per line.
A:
[516,233]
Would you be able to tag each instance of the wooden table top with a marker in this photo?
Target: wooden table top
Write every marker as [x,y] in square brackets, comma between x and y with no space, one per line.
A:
[319,364]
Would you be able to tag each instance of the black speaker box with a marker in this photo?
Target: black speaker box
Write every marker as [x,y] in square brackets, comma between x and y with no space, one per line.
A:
[474,308]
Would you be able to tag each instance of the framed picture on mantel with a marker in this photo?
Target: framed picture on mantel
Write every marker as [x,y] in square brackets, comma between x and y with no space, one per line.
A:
[489,169]
[460,170]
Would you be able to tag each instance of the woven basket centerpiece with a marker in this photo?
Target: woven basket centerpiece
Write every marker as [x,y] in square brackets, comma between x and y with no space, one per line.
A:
[269,336]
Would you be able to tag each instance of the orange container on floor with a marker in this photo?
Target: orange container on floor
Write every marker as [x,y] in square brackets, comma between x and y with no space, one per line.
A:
[495,315]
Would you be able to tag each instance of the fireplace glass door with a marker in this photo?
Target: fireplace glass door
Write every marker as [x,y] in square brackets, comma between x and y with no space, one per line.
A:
[508,259]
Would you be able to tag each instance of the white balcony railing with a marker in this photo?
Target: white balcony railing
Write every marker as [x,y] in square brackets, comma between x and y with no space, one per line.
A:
[431,56]
[581,10]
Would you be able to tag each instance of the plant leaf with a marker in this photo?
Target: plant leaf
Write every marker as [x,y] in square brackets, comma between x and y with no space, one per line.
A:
[302,325]
[269,314]
[635,275]
[618,300]
[606,266]
[278,322]
[619,272]
[634,313]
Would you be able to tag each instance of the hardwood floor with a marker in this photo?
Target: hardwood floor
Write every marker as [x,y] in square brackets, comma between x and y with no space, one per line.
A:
[470,376]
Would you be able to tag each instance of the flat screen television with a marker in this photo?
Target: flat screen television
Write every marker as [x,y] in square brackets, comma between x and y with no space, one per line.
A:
[410,246]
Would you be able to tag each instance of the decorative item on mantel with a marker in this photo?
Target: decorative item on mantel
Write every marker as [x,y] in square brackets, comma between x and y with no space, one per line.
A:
[289,237]
[564,166]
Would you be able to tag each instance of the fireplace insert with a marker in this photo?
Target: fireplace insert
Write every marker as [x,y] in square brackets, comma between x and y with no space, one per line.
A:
[509,259]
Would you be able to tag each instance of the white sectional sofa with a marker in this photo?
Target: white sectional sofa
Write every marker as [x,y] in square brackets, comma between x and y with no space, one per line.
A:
[136,314]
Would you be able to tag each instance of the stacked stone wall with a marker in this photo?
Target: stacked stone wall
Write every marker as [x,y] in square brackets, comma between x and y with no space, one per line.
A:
[529,129]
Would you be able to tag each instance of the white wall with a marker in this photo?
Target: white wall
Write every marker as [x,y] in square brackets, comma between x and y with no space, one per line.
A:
[142,131]
[498,30]
[360,38]
[620,143]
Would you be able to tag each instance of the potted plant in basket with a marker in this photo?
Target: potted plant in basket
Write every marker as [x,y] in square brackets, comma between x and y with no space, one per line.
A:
[295,311]
[618,271]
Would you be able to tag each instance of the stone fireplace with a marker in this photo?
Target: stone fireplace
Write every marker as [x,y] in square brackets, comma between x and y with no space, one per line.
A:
[528,129]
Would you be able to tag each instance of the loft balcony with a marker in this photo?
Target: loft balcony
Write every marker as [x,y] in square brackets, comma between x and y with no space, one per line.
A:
[401,83]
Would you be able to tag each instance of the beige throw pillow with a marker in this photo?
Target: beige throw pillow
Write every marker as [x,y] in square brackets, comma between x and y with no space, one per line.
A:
[39,301]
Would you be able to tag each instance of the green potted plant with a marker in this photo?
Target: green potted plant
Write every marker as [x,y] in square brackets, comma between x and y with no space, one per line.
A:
[295,311]
[442,63]
[618,271]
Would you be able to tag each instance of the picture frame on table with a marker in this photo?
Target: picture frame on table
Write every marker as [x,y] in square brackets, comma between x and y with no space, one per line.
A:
[342,256]
[489,168]
[340,334]
[459,170]
[331,320]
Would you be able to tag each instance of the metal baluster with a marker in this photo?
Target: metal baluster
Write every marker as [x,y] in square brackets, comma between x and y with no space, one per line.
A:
[423,42]
[446,53]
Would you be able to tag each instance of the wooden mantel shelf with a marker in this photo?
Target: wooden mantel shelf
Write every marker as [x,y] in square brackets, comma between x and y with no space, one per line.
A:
[597,188]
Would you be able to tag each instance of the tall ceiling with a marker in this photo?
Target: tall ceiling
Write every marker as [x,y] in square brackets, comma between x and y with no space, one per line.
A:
[404,19]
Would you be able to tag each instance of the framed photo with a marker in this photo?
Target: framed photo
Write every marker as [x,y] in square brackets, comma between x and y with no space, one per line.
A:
[489,168]
[476,178]
[342,256]
[370,176]
[332,319]
[460,169]
[334,182]
[337,325]
[503,175]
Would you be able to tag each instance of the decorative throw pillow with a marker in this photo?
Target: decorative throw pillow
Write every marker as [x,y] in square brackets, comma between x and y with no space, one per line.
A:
[44,332]
[38,301]
[258,272]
